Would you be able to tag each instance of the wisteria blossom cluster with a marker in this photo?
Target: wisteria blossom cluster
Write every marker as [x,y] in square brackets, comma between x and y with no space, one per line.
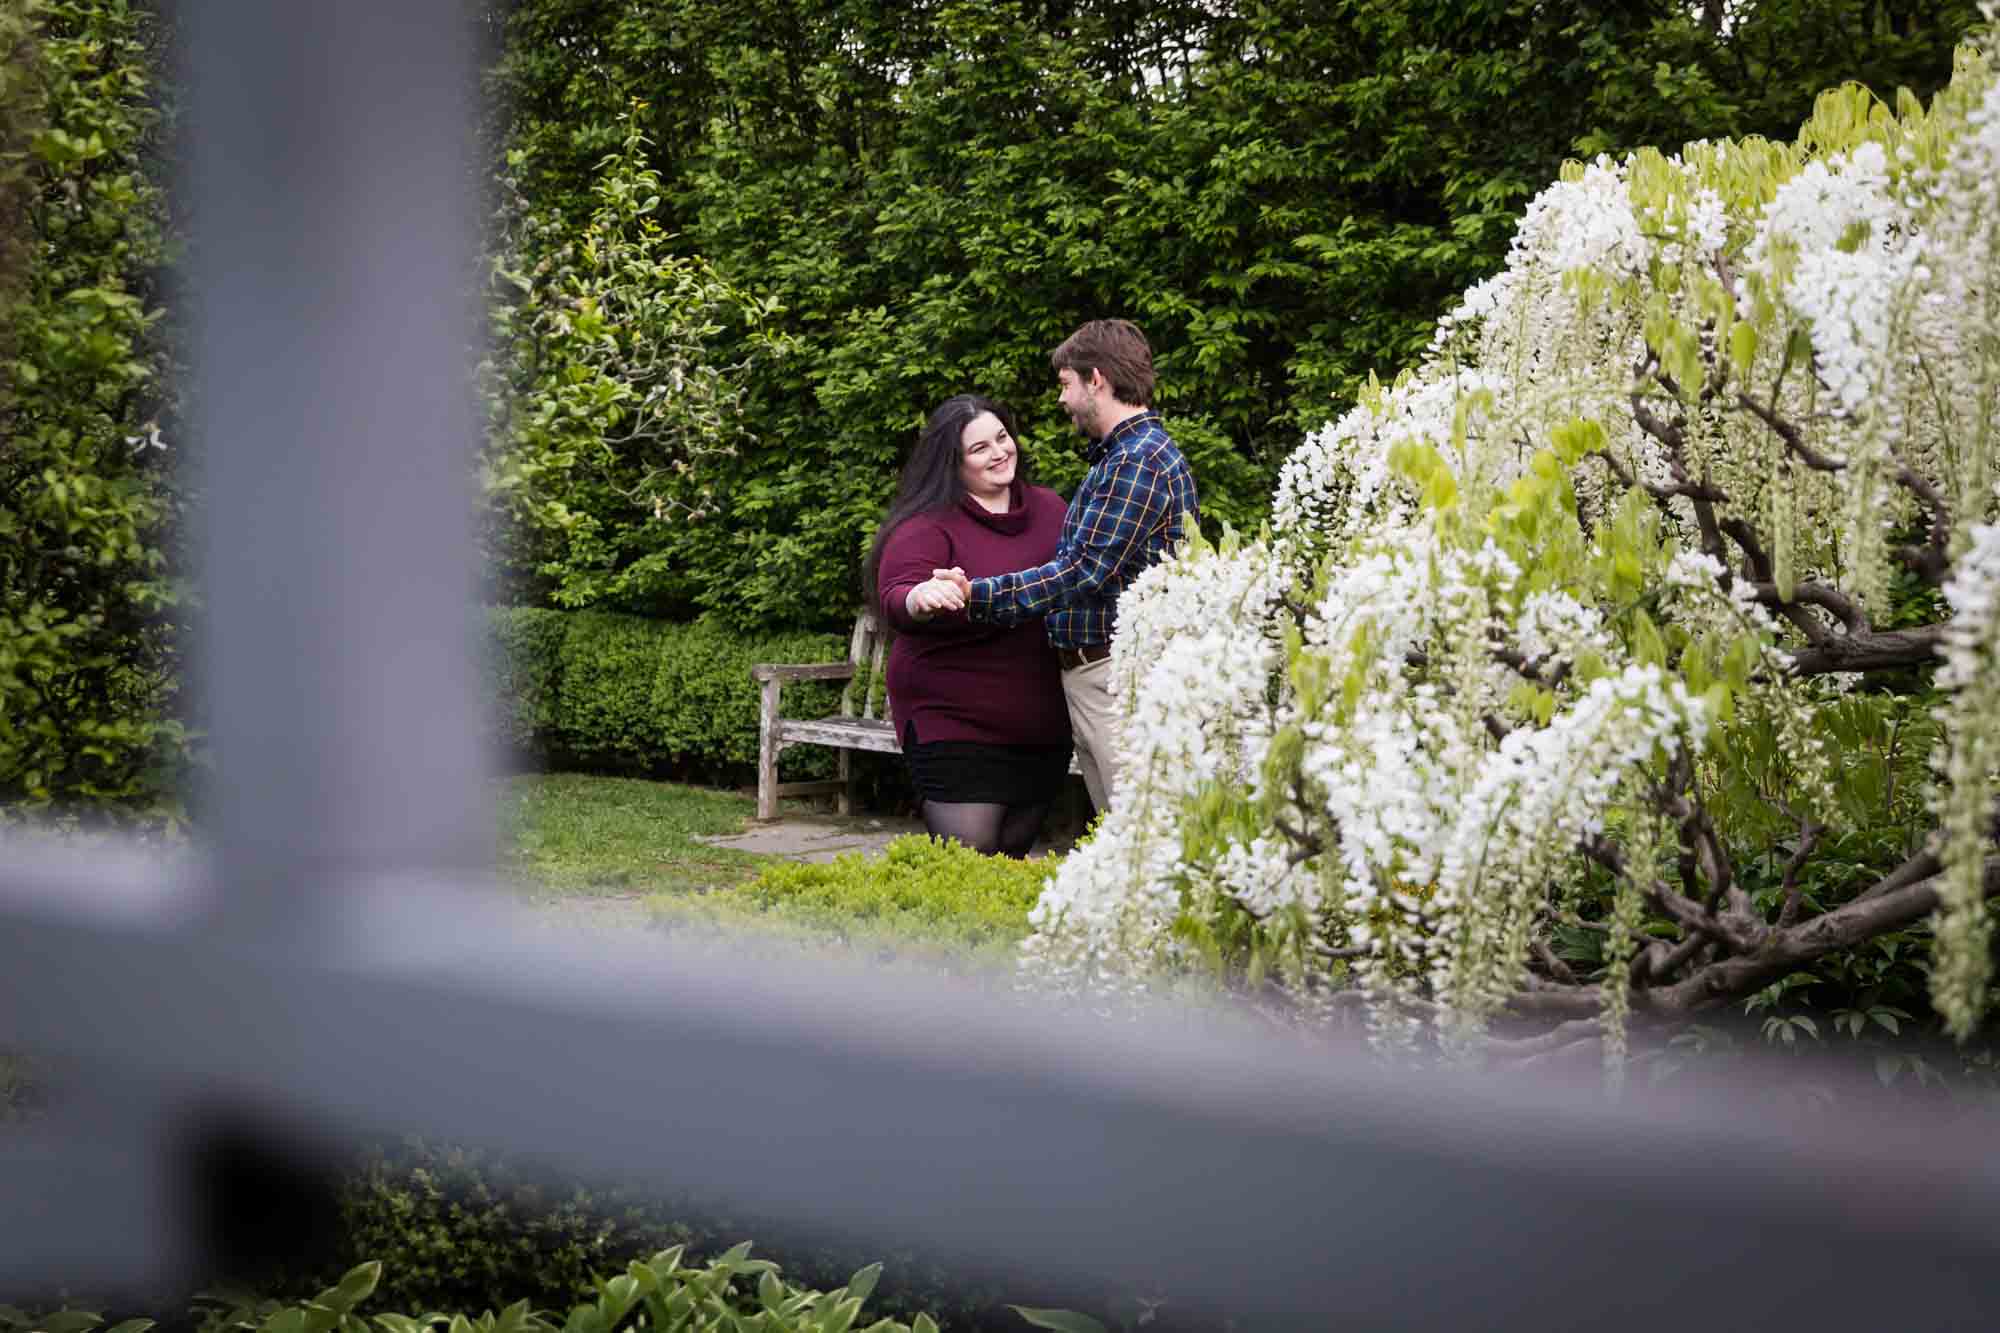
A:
[1549,629]
[1192,667]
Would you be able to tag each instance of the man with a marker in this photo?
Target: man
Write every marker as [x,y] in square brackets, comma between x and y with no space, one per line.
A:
[1129,511]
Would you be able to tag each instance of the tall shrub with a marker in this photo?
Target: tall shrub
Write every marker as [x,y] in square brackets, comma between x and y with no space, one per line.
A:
[89,584]
[607,403]
[1285,195]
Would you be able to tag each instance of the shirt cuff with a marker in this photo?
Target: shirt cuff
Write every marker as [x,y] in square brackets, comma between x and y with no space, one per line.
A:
[980,603]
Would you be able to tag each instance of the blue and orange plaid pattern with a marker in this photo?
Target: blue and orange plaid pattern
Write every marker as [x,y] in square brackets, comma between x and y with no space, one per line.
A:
[1125,516]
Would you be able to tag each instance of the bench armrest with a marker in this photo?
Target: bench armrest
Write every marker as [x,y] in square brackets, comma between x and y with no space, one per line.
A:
[769,671]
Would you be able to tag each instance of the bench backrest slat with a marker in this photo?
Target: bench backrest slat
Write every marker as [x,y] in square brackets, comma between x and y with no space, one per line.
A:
[868,651]
[877,662]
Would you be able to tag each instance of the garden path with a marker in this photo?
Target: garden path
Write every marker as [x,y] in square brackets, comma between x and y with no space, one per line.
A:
[817,837]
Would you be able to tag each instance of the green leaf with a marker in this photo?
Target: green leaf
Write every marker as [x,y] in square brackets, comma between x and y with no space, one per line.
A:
[69,1321]
[839,1316]
[862,1285]
[1743,346]
[355,1286]
[1062,1321]
[1647,645]
[1577,439]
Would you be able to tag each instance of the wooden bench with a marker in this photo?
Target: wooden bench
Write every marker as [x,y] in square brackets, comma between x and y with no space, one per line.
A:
[854,727]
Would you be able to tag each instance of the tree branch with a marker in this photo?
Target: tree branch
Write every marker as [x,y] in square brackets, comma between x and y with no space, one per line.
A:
[1703,495]
[1555,966]
[1785,951]
[1555,1039]
[1793,437]
[1821,595]
[1794,894]
[1921,866]
[1698,833]
[1756,562]
[1532,669]
[1874,650]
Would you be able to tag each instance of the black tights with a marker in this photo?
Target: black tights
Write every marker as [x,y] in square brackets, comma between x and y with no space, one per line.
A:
[986,827]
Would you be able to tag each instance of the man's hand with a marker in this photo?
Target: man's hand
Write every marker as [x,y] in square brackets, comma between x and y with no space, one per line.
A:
[956,577]
[928,598]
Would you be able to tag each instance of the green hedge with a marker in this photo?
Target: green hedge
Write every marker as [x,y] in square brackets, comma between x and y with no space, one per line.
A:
[632,695]
[92,584]
[1285,212]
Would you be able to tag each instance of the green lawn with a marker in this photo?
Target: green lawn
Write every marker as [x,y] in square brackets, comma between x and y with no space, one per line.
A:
[570,836]
[575,835]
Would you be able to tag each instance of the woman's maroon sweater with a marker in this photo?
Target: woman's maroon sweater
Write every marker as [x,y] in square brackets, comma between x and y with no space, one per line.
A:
[955,680]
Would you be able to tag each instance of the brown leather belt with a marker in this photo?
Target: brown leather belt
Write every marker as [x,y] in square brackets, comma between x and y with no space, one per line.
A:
[1072,658]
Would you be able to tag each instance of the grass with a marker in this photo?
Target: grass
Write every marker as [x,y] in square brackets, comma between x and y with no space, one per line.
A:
[574,835]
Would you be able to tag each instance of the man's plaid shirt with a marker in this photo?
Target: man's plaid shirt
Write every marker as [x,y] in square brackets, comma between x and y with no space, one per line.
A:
[1126,514]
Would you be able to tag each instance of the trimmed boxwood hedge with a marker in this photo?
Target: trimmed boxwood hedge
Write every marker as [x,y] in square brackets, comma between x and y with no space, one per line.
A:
[587,689]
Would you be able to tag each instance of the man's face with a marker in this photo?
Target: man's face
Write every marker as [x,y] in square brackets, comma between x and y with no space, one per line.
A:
[1079,397]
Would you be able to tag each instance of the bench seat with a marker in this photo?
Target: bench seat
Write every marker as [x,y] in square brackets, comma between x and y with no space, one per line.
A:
[854,727]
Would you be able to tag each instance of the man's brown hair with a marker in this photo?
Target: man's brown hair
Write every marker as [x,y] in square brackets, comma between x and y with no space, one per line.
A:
[1116,349]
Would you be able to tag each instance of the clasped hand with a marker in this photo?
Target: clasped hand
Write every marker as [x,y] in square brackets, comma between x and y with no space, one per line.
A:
[945,590]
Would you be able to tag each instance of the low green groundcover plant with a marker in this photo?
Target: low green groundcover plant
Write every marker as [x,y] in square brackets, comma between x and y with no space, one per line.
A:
[733,1293]
[921,896]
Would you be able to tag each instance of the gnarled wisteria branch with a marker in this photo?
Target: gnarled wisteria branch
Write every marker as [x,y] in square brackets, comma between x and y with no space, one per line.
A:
[1876,650]
[1751,962]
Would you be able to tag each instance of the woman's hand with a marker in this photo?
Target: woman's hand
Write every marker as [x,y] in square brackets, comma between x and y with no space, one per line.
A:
[932,596]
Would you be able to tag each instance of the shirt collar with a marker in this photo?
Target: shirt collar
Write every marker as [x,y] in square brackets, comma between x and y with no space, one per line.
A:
[1123,430]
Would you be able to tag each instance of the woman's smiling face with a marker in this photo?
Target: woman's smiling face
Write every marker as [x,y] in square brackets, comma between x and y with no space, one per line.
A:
[986,459]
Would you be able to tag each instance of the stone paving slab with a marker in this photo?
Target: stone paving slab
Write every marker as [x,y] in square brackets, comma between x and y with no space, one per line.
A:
[817,837]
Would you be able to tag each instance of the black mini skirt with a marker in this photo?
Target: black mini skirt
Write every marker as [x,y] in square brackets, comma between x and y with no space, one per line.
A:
[968,771]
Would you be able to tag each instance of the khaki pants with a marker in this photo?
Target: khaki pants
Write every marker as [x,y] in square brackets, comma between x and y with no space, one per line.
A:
[1093,724]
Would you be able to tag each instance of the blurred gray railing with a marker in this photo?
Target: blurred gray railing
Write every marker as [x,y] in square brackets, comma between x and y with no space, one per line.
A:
[335,968]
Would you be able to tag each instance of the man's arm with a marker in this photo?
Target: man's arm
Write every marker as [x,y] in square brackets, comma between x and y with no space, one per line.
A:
[1112,527]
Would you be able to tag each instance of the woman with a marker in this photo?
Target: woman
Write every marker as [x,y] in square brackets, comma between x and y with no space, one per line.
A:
[980,707]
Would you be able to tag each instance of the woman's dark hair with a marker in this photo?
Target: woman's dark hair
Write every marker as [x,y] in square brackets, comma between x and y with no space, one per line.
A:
[931,480]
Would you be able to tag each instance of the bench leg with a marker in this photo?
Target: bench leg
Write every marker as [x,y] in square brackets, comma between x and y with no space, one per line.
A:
[767,752]
[844,770]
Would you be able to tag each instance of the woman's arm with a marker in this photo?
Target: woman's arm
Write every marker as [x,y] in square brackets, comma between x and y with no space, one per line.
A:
[907,596]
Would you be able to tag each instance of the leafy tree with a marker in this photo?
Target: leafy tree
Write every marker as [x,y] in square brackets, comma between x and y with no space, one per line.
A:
[1591,678]
[606,404]
[88,508]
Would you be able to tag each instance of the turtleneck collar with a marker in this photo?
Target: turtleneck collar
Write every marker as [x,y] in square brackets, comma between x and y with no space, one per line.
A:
[1008,524]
